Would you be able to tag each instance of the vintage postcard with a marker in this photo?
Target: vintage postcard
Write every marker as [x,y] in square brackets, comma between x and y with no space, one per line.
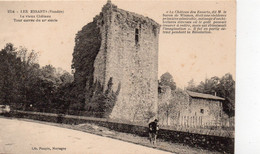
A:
[117,76]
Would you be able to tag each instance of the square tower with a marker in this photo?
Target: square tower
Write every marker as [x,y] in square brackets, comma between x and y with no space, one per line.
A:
[128,54]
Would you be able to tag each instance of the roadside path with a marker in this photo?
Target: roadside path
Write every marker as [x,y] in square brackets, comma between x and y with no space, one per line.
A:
[18,136]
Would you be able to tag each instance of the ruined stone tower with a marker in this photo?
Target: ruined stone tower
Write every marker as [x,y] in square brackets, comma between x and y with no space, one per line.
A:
[123,46]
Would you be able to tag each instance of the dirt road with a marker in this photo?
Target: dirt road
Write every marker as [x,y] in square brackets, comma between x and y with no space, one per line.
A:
[27,137]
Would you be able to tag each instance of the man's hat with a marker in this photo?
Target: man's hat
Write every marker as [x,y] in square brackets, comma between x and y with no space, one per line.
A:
[156,120]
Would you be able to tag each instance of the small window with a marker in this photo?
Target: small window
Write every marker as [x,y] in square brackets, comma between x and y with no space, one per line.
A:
[136,36]
[202,111]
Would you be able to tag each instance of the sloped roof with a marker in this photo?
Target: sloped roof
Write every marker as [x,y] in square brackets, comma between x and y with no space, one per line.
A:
[205,96]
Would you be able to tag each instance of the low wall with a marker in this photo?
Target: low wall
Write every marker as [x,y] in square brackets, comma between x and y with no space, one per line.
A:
[208,142]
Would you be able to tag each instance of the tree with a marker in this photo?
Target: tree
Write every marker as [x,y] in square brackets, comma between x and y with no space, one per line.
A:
[85,52]
[18,76]
[165,110]
[191,85]
[57,85]
[103,101]
[227,90]
[65,78]
[24,85]
[9,75]
[167,80]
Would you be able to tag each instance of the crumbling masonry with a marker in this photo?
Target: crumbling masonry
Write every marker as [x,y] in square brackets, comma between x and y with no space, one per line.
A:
[122,46]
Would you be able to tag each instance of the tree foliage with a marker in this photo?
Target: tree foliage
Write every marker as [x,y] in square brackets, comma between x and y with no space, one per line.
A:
[25,85]
[87,45]
[167,80]
[103,101]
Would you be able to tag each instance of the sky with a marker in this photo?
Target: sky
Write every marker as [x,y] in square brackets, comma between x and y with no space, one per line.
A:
[186,57]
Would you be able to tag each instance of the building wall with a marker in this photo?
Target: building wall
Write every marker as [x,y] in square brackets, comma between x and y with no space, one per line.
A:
[129,54]
[202,112]
[187,111]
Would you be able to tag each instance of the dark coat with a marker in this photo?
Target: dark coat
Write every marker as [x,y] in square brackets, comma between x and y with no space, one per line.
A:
[153,127]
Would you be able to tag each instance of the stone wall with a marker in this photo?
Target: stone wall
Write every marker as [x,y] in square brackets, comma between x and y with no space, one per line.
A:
[132,61]
[202,113]
[189,112]
[222,142]
[208,110]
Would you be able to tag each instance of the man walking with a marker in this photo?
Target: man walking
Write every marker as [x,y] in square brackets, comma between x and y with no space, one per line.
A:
[153,131]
